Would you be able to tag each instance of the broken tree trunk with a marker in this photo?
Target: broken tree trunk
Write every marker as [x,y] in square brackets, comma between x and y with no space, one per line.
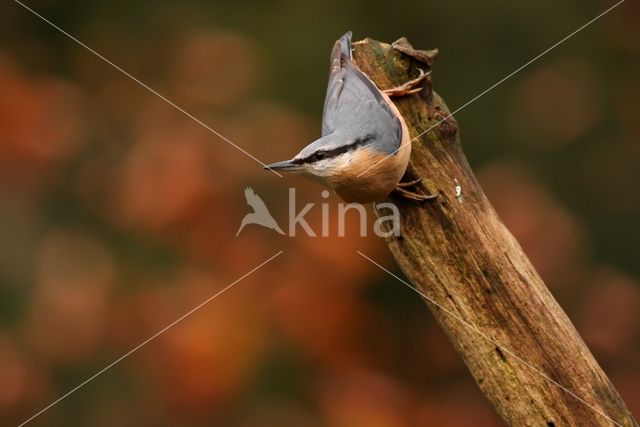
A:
[521,348]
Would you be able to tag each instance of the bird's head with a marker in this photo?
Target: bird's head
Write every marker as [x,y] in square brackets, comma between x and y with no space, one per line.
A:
[328,157]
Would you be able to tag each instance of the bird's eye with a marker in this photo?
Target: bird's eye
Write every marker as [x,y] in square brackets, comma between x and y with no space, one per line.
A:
[319,155]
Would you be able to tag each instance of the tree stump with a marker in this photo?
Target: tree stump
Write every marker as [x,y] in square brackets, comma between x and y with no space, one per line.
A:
[519,345]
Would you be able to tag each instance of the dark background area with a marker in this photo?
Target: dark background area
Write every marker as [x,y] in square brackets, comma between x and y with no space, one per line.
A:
[118,213]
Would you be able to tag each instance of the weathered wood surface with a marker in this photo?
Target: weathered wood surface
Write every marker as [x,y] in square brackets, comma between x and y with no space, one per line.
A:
[457,252]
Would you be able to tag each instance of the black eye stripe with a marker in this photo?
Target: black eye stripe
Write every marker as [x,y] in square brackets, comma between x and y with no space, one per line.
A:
[326,154]
[318,155]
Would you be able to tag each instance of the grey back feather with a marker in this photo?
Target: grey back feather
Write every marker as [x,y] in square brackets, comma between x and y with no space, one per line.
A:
[354,107]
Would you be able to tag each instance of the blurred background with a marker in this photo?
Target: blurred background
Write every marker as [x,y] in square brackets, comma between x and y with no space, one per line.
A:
[118,213]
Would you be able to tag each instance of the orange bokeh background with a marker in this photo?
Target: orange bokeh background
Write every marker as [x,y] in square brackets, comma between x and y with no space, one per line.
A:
[118,213]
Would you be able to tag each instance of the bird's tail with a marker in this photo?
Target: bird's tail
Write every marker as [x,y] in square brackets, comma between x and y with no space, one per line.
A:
[345,45]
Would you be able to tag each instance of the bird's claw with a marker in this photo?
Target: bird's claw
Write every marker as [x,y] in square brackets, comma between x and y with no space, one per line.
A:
[409,87]
[409,183]
[400,189]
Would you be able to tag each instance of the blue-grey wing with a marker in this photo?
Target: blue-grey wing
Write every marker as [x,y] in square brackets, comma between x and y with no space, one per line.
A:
[340,54]
[354,105]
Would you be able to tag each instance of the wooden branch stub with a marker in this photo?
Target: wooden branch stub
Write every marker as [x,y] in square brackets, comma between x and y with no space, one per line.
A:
[457,252]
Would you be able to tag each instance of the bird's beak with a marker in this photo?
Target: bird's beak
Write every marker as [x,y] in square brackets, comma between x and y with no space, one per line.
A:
[286,166]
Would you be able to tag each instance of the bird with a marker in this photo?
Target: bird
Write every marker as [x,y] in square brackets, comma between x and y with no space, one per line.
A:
[260,214]
[364,148]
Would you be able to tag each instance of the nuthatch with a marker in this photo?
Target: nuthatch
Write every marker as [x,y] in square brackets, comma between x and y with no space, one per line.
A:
[365,145]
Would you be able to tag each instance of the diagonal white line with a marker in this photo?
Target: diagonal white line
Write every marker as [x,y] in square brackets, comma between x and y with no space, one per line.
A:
[154,336]
[491,340]
[499,82]
[147,87]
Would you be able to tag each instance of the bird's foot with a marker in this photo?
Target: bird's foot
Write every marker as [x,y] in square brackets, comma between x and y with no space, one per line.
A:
[400,189]
[409,183]
[409,87]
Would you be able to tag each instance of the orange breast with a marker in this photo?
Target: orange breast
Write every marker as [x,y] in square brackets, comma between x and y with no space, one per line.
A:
[362,182]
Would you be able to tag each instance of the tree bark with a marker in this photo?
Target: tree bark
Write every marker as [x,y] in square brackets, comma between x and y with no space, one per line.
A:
[519,345]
